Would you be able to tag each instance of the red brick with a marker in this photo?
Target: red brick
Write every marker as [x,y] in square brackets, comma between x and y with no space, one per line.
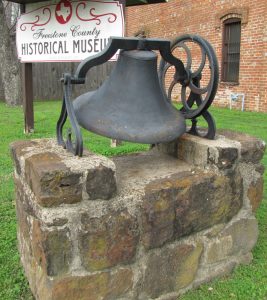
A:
[169,20]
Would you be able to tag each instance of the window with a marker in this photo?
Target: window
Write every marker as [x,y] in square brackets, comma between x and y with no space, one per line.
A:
[231,50]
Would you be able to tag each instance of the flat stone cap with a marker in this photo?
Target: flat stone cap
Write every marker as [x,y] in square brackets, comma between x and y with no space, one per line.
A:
[58,177]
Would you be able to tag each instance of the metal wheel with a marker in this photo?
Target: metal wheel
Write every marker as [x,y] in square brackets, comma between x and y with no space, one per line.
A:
[201,96]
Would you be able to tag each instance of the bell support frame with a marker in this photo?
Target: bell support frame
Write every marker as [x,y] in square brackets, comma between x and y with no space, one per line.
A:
[183,76]
[115,44]
[194,83]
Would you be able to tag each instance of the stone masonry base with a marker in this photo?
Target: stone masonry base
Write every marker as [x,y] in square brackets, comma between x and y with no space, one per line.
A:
[142,226]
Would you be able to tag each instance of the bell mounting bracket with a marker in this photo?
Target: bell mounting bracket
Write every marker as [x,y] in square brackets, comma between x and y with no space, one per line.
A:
[183,76]
[197,101]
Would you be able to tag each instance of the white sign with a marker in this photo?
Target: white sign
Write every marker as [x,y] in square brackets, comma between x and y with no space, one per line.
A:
[68,30]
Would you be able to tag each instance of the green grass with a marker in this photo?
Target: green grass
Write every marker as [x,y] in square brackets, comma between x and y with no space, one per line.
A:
[246,282]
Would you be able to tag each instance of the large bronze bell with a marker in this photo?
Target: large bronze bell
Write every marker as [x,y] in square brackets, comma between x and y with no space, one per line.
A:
[130,104]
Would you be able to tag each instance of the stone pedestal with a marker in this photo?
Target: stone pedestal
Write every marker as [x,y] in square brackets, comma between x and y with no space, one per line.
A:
[143,226]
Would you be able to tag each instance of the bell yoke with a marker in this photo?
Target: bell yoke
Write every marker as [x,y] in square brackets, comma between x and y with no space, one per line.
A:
[133,104]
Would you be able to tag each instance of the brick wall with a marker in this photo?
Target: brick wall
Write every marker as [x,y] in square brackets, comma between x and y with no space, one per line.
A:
[204,17]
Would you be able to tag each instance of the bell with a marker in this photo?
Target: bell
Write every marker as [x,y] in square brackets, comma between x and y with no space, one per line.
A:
[130,104]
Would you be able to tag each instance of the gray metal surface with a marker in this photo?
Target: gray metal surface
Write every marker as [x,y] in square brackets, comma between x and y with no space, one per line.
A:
[130,105]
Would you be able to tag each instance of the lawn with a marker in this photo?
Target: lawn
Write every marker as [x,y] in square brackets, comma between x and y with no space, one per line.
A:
[246,282]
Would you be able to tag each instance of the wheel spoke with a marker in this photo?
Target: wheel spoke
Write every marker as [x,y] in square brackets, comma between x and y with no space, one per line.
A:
[184,100]
[188,54]
[202,97]
[170,89]
[166,67]
[202,64]
[198,90]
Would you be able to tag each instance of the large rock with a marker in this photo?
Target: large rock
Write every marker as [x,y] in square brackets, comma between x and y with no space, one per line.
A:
[51,180]
[56,177]
[99,286]
[219,153]
[158,215]
[208,200]
[255,193]
[18,149]
[244,233]
[187,203]
[103,177]
[52,249]
[237,239]
[252,148]
[169,225]
[171,269]
[108,240]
